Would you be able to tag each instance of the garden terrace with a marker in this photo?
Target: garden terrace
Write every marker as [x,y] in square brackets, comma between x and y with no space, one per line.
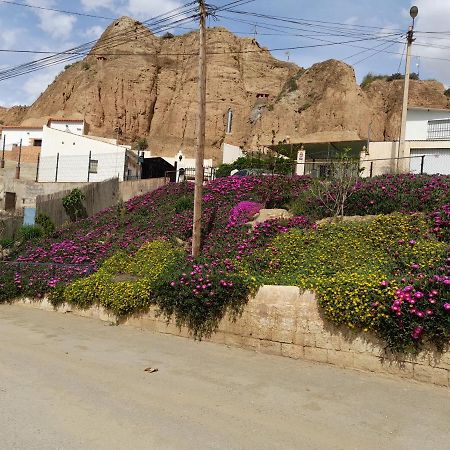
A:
[388,276]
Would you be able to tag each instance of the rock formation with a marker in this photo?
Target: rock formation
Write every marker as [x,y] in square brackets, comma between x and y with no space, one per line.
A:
[134,84]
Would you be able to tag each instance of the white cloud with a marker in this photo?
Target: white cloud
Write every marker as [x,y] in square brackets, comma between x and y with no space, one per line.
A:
[433,16]
[151,8]
[57,25]
[94,32]
[91,5]
[9,37]
[38,83]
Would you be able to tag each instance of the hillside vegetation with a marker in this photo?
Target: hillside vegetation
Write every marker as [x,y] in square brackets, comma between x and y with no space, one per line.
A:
[387,275]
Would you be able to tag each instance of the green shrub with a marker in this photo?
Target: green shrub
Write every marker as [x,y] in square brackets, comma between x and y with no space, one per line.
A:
[28,232]
[45,223]
[6,243]
[198,295]
[184,203]
[73,205]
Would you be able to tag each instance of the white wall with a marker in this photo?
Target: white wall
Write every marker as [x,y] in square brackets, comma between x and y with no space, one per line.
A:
[73,161]
[69,126]
[380,157]
[14,135]
[417,122]
[231,153]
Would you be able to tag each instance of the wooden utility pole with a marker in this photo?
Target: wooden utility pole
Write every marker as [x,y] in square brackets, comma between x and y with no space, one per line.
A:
[402,141]
[199,169]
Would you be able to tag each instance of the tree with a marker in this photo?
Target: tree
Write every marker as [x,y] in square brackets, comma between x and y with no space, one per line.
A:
[335,190]
[140,145]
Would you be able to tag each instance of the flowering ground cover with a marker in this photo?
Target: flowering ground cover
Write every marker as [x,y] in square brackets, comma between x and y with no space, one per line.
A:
[389,276]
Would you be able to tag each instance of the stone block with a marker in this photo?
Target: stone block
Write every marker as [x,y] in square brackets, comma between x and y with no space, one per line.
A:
[441,377]
[339,358]
[367,362]
[234,340]
[433,375]
[326,340]
[251,343]
[299,338]
[292,351]
[316,354]
[309,340]
[398,368]
[270,347]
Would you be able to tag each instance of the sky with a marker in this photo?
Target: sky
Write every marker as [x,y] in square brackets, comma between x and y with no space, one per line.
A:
[375,30]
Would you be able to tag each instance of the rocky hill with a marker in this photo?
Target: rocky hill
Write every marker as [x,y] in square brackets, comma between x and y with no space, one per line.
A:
[146,86]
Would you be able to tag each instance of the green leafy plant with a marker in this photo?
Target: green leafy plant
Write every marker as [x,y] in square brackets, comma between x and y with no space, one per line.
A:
[44,221]
[29,232]
[6,243]
[73,205]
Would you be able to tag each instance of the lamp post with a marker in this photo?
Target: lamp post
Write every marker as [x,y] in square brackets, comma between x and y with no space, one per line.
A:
[414,11]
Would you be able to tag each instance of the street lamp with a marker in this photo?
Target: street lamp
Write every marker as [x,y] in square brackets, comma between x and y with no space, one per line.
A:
[413,12]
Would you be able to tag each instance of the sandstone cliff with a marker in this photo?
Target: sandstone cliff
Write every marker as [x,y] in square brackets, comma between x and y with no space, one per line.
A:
[138,85]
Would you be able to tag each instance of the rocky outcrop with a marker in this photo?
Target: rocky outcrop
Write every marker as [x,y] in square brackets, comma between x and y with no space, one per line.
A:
[134,84]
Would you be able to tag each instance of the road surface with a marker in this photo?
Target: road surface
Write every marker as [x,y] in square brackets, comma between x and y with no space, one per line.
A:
[74,383]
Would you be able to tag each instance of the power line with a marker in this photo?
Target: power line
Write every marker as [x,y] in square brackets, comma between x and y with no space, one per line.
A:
[374,54]
[164,21]
[72,13]
[401,59]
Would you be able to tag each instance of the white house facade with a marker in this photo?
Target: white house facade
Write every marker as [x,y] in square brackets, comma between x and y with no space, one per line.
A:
[70,157]
[427,147]
[12,136]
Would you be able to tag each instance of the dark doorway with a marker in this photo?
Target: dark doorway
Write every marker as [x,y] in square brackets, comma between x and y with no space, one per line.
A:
[157,168]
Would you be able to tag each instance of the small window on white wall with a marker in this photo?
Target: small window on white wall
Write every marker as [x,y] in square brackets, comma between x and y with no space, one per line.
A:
[93,166]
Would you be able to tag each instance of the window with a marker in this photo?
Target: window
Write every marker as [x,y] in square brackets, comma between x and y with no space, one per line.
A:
[37,142]
[439,129]
[229,121]
[93,165]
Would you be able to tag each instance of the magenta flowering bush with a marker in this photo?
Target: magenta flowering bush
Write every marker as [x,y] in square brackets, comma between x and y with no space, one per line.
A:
[235,257]
[420,308]
[243,212]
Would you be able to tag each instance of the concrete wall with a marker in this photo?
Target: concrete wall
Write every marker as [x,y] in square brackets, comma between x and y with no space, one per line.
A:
[282,321]
[73,163]
[417,122]
[28,191]
[99,196]
[130,189]
[380,156]
[9,225]
[231,153]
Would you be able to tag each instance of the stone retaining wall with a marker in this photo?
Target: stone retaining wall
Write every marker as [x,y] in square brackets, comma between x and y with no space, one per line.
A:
[282,321]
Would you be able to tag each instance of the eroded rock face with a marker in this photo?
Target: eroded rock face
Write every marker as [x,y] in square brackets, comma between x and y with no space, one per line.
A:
[139,85]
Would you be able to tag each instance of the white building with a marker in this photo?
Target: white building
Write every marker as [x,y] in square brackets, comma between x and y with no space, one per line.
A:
[427,147]
[12,136]
[68,156]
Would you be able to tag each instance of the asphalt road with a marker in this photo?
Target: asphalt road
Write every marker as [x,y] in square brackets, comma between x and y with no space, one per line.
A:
[73,383]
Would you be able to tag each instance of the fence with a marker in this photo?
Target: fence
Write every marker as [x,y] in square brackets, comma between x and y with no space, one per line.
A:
[188,174]
[90,167]
[367,167]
